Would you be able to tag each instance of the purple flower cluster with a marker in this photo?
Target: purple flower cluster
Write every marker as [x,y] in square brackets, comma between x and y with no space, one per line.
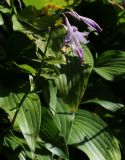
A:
[74,38]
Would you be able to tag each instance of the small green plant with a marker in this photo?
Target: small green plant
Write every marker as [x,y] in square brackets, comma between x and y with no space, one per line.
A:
[60,83]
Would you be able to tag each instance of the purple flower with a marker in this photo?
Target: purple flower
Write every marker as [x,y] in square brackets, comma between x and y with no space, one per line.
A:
[74,38]
[91,23]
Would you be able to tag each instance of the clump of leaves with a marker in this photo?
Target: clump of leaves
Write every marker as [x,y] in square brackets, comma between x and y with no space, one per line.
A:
[51,104]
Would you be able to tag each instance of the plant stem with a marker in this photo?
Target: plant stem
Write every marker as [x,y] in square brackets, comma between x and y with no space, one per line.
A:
[37,78]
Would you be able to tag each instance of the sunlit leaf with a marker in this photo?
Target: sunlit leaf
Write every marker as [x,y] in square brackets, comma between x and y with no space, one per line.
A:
[53,95]
[63,118]
[28,117]
[43,3]
[30,16]
[1,19]
[111,64]
[27,68]
[16,24]
[112,106]
[14,144]
[3,9]
[8,2]
[73,78]
[90,134]
[103,96]
[52,136]
[54,54]
[21,152]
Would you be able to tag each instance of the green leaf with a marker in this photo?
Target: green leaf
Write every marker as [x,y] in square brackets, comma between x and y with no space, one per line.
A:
[53,53]
[57,38]
[112,106]
[4,9]
[1,19]
[17,26]
[49,73]
[43,157]
[8,2]
[29,119]
[119,1]
[53,95]
[21,152]
[90,134]
[26,68]
[73,78]
[103,96]
[15,144]
[51,135]
[110,64]
[29,115]
[31,17]
[43,3]
[63,118]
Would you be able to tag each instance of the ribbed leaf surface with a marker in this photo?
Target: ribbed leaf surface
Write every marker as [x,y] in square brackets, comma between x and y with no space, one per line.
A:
[90,134]
[63,118]
[28,117]
[112,106]
[72,79]
[51,135]
[111,64]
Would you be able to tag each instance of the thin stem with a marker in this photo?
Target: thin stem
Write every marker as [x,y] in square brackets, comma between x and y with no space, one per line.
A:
[18,108]
[37,77]
[42,61]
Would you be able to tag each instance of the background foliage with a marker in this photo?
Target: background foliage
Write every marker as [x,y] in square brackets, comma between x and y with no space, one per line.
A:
[51,105]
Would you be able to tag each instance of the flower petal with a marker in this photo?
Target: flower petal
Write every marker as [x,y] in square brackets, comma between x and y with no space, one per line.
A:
[68,24]
[79,52]
[91,23]
[77,48]
[74,38]
[81,37]
[74,14]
